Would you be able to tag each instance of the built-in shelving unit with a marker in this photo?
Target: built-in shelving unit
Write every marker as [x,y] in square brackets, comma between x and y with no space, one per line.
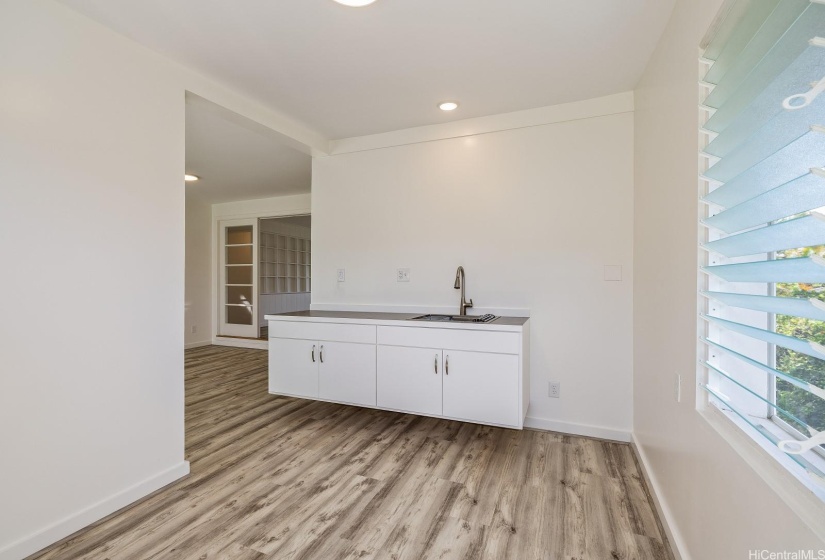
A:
[285,264]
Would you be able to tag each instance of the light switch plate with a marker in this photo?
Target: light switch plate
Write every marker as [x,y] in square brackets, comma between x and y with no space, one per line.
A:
[342,275]
[678,388]
[613,273]
[403,275]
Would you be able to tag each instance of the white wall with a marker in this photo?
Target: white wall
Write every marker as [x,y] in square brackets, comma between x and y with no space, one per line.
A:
[92,232]
[91,211]
[198,295]
[533,215]
[717,505]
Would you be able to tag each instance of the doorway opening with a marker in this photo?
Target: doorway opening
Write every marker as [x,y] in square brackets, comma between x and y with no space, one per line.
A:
[247,226]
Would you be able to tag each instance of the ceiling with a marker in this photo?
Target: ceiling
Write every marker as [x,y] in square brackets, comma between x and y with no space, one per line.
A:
[354,71]
[237,162]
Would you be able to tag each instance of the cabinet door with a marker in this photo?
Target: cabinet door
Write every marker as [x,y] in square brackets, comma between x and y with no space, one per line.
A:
[409,379]
[292,370]
[347,372]
[481,387]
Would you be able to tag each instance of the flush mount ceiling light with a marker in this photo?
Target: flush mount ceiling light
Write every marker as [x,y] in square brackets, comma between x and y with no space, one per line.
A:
[355,3]
[448,106]
[190,178]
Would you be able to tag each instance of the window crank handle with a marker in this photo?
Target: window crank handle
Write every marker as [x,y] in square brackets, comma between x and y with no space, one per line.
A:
[801,100]
[795,447]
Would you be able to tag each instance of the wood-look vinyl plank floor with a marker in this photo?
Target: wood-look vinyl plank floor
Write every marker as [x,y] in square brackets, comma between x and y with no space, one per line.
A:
[283,478]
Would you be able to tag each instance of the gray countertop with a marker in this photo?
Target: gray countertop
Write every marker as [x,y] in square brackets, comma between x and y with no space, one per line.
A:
[374,316]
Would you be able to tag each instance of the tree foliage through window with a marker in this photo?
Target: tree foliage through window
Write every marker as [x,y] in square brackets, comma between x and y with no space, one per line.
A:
[804,405]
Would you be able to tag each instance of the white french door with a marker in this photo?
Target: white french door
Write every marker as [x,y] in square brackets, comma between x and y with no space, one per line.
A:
[238,278]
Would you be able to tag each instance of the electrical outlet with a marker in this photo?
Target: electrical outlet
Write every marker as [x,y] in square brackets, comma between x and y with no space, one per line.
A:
[403,275]
[194,329]
[554,390]
[678,388]
[342,275]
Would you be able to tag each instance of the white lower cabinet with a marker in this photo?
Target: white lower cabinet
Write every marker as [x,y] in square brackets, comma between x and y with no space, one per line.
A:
[293,367]
[476,386]
[335,371]
[346,372]
[409,379]
[464,374]
[481,387]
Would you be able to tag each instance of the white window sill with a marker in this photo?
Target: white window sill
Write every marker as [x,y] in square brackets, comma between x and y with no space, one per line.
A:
[790,481]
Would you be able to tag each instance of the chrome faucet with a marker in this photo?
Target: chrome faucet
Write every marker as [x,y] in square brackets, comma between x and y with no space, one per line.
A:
[459,285]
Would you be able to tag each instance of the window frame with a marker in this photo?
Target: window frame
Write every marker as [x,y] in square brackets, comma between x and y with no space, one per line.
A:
[789,480]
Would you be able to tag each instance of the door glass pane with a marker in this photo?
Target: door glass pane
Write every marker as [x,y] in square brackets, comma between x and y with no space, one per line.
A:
[239,255]
[238,290]
[238,235]
[239,274]
[239,295]
[238,315]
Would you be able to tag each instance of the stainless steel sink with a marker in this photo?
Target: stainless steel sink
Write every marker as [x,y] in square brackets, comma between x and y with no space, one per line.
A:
[433,318]
[457,318]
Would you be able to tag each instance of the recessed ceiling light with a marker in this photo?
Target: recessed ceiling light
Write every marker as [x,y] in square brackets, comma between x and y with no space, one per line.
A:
[448,106]
[190,178]
[355,3]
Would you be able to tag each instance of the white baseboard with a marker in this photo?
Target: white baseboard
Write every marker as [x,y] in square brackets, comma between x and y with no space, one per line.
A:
[677,544]
[53,533]
[577,429]
[197,344]
[240,343]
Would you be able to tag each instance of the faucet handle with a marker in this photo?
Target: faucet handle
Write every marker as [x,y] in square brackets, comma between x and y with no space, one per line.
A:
[469,303]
